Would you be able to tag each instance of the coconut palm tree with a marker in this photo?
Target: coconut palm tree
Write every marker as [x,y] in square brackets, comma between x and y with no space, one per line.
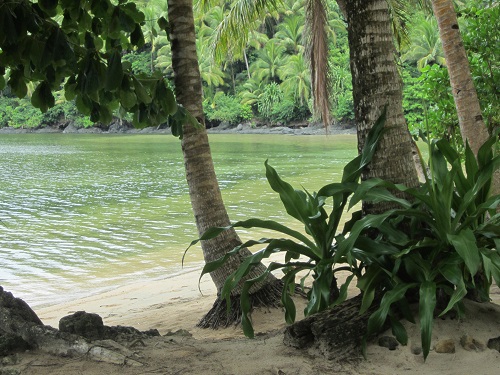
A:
[290,33]
[470,119]
[296,79]
[270,61]
[425,45]
[377,84]
[206,198]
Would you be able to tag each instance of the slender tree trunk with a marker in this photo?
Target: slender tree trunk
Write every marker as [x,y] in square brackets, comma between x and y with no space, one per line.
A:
[376,84]
[470,119]
[246,63]
[206,198]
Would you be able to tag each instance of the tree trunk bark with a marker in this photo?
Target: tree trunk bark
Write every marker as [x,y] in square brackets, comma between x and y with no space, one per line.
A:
[334,333]
[470,119]
[376,84]
[206,199]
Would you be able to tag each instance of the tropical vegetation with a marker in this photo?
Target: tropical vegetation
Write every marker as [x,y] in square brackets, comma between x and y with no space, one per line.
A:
[270,71]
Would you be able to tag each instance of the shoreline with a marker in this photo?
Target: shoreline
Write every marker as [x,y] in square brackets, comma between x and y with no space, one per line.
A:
[240,129]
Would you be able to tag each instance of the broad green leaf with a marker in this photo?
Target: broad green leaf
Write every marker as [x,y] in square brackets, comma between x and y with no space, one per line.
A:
[137,37]
[128,99]
[114,74]
[42,97]
[427,304]
[166,98]
[343,291]
[368,284]
[293,200]
[378,318]
[485,153]
[465,245]
[140,92]
[399,331]
[457,296]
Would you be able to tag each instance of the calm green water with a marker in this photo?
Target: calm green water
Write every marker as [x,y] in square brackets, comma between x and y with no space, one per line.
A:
[84,212]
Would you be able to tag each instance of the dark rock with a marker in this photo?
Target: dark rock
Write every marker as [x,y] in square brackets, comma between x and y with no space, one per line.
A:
[11,343]
[15,308]
[119,126]
[471,344]
[83,324]
[70,129]
[494,343]
[388,342]
[123,333]
[91,327]
[445,346]
[417,350]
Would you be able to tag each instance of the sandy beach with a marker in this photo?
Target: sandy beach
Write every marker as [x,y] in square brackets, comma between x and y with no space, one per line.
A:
[176,303]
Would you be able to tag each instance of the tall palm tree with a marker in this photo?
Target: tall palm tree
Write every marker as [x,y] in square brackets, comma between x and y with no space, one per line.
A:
[425,46]
[296,79]
[206,198]
[290,33]
[470,119]
[377,84]
[270,60]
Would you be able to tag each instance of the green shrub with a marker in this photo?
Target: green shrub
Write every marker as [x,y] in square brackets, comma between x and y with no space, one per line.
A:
[227,108]
[271,96]
[287,110]
[429,250]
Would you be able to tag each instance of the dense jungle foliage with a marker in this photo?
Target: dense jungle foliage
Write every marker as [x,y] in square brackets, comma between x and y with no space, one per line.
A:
[268,80]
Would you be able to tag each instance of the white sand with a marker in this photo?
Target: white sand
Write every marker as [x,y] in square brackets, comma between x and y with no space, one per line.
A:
[176,303]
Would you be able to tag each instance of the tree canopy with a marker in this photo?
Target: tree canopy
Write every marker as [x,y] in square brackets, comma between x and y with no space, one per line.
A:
[78,45]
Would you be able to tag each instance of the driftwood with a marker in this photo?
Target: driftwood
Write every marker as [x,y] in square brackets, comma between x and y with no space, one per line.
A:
[20,325]
[336,333]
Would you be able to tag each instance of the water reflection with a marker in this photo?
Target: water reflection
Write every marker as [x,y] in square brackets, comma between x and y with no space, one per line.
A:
[85,211]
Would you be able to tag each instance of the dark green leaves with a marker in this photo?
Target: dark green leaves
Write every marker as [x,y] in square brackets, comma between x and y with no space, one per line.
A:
[427,304]
[84,47]
[42,97]
[114,73]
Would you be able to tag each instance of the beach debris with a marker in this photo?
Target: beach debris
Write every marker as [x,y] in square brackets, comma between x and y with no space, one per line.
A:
[388,342]
[445,346]
[470,344]
[494,343]
[179,332]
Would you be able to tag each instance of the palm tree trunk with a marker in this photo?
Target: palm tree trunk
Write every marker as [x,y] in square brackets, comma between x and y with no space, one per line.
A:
[376,84]
[206,198]
[470,119]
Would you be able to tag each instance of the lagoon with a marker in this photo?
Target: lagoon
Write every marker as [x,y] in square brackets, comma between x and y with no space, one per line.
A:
[83,212]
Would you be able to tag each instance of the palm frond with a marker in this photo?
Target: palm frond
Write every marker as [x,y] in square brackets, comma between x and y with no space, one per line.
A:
[232,33]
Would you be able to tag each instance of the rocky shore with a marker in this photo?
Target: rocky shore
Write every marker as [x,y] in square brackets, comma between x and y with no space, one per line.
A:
[126,128]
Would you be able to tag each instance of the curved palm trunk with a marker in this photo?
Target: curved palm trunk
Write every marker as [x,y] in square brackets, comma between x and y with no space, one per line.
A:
[206,198]
[376,84]
[470,119]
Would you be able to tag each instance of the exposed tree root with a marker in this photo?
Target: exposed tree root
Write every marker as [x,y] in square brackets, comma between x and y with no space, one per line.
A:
[219,316]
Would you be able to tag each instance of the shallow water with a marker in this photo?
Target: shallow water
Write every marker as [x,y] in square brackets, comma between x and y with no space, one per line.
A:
[86,212]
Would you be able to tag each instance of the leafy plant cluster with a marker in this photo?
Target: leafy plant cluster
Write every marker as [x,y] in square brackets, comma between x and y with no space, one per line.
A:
[227,108]
[439,242]
[428,100]
[78,45]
